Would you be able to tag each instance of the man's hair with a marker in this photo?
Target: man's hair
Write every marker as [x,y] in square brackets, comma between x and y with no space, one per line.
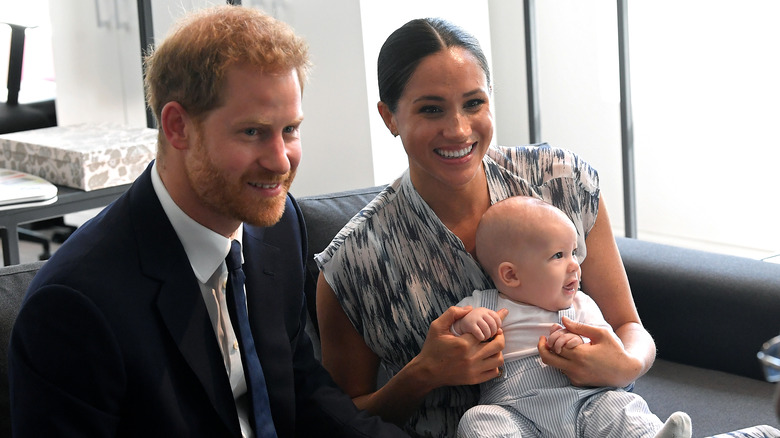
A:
[190,65]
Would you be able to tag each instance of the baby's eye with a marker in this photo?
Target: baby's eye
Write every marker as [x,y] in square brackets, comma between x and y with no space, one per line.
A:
[558,255]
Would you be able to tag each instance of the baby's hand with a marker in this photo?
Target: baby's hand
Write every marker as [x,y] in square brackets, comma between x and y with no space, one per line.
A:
[481,322]
[561,338]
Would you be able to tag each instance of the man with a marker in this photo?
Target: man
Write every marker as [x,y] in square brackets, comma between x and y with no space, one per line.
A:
[126,330]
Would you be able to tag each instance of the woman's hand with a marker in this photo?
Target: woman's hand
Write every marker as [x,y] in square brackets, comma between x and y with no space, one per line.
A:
[448,360]
[445,359]
[602,362]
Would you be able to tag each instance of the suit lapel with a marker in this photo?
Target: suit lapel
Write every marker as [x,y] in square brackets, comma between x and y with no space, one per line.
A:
[180,302]
[260,261]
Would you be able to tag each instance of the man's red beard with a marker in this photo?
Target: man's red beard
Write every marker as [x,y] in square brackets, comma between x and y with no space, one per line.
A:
[234,198]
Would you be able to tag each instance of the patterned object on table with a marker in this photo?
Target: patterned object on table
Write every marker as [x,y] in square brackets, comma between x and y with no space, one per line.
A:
[85,156]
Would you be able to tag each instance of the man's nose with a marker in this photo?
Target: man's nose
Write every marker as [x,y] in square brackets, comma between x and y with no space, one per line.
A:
[274,156]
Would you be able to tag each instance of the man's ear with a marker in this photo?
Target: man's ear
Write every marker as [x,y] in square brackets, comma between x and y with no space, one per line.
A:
[508,275]
[387,116]
[175,124]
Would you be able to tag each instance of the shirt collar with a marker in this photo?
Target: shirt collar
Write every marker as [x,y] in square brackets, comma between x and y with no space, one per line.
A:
[205,249]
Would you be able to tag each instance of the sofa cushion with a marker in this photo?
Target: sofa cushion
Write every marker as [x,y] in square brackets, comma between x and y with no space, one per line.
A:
[14,280]
[716,401]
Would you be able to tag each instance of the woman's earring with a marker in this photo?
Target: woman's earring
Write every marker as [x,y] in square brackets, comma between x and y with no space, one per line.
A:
[395,134]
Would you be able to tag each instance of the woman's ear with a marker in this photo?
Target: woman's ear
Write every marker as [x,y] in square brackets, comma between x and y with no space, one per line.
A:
[388,118]
[175,122]
[507,274]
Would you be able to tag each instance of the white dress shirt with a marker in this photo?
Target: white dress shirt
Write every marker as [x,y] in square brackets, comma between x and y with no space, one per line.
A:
[206,251]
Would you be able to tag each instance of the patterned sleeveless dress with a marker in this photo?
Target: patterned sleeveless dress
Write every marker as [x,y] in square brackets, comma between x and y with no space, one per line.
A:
[395,267]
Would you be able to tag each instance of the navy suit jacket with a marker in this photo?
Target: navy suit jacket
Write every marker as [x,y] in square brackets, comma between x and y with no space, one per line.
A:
[114,339]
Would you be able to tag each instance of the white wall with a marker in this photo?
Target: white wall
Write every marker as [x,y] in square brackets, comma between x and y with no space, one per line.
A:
[37,63]
[335,132]
[97,61]
[379,20]
[509,73]
[705,95]
[579,88]
[345,142]
[165,13]
[578,84]
[705,92]
[706,109]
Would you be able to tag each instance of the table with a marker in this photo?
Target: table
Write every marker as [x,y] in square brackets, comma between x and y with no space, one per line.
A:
[69,200]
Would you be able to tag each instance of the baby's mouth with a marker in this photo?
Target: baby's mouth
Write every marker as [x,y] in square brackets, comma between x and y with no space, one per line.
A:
[572,287]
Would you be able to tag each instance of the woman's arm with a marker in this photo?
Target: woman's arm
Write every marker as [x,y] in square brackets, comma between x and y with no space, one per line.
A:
[604,362]
[445,360]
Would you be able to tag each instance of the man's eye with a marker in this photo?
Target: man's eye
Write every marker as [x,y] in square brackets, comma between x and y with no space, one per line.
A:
[250,131]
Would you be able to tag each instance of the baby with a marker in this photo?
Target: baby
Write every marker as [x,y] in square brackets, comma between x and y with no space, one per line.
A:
[529,249]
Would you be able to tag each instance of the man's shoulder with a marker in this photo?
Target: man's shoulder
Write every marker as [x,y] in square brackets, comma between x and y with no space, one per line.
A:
[101,251]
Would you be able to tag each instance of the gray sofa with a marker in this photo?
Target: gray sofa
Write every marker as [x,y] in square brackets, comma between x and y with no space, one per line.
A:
[709,315]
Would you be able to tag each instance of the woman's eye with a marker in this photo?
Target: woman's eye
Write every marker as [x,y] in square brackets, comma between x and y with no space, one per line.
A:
[430,109]
[474,103]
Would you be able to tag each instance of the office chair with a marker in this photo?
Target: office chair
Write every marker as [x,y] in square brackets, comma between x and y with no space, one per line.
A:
[13,115]
[22,117]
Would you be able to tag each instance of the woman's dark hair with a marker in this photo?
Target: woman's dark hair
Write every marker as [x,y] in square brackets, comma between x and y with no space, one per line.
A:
[405,48]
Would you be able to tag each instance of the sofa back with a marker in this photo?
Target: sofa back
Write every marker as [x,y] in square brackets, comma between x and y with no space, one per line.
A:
[325,215]
[14,280]
[703,309]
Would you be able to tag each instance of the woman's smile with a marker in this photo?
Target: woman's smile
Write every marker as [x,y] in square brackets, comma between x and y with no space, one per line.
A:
[455,153]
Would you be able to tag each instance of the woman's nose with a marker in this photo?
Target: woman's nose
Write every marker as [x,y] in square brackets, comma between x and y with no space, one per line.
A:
[458,126]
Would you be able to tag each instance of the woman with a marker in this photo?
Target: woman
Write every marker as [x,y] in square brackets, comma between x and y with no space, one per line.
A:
[390,276]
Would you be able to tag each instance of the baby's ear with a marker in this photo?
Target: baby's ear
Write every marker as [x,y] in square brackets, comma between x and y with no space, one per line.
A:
[507,274]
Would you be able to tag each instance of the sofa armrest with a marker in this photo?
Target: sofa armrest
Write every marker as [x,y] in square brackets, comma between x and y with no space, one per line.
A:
[704,309]
[14,281]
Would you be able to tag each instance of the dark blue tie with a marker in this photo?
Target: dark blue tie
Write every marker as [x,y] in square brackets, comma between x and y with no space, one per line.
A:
[253,371]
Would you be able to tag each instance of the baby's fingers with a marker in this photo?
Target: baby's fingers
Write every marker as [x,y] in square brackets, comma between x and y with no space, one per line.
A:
[557,344]
[574,341]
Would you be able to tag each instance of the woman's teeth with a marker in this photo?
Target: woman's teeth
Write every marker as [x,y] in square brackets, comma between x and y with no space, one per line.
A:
[455,154]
